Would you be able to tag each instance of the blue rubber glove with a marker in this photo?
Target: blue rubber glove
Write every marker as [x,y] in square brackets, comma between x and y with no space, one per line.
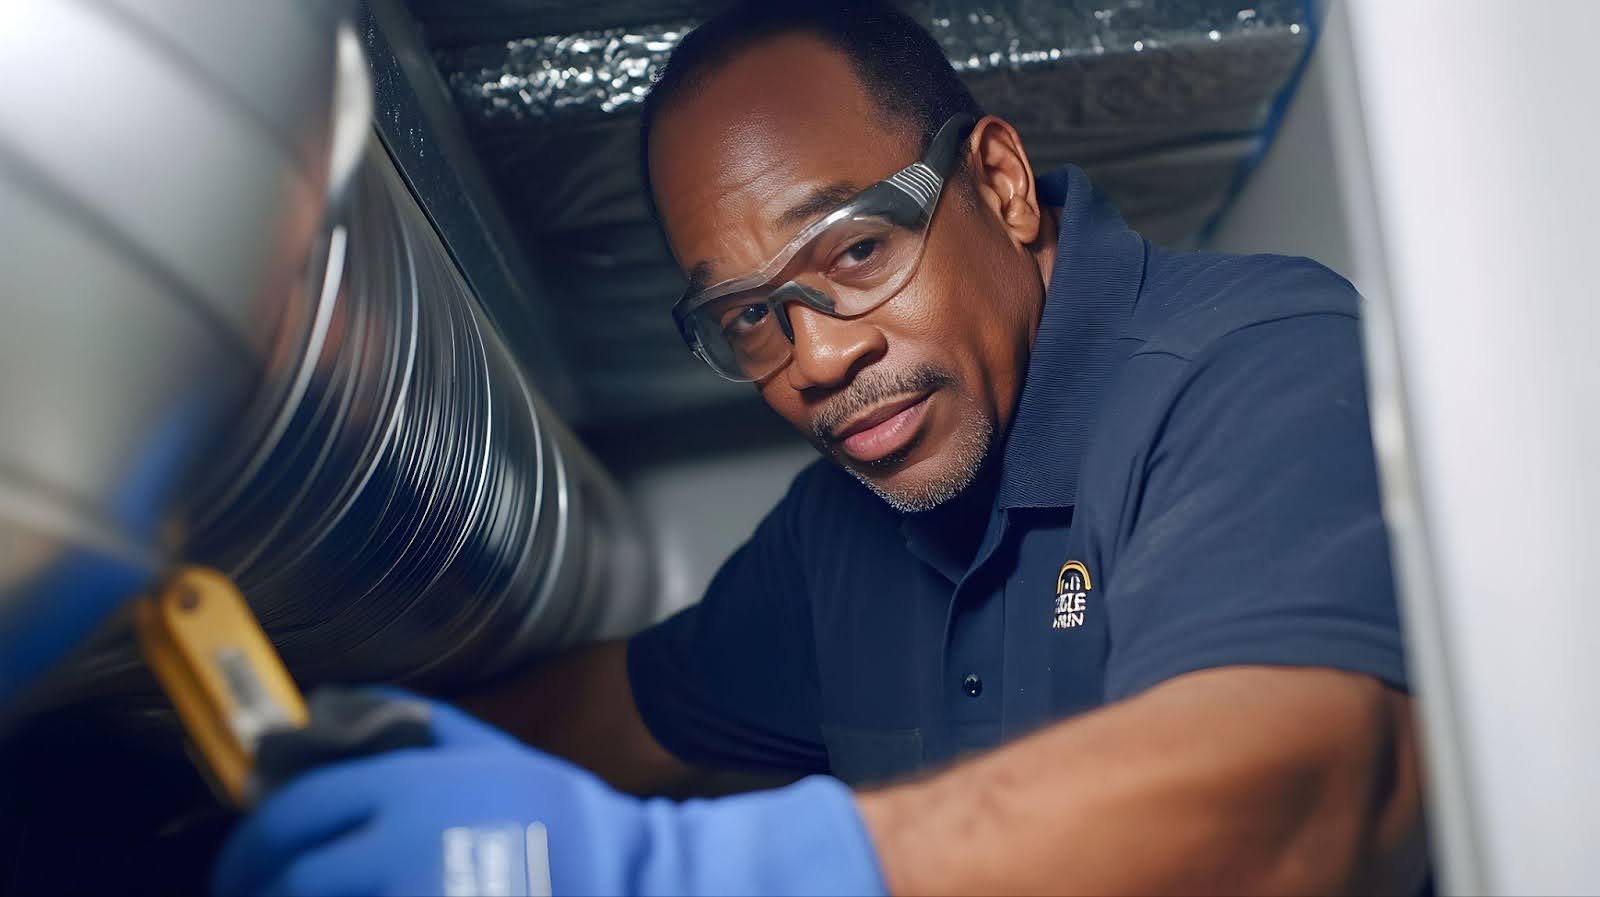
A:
[481,813]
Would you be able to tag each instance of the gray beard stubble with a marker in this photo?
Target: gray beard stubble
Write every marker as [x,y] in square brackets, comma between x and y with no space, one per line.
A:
[971,443]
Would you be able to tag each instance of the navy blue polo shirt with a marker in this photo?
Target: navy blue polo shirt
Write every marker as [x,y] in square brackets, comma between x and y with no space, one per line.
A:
[1188,482]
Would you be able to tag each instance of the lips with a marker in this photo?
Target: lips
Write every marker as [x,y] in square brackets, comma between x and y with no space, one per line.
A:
[883,430]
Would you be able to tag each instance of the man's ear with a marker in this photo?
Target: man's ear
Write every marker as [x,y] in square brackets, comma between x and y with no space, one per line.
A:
[1004,178]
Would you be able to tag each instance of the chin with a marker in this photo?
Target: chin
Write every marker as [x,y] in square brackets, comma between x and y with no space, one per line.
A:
[912,486]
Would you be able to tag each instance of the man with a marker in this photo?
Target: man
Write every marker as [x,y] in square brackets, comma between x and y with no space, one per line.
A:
[1095,557]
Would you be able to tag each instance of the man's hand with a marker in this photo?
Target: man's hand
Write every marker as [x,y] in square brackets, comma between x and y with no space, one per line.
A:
[479,813]
[1234,780]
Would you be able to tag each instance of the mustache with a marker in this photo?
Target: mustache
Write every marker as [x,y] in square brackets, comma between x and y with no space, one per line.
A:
[870,389]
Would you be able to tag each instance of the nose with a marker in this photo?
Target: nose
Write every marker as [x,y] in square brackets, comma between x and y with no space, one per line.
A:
[828,350]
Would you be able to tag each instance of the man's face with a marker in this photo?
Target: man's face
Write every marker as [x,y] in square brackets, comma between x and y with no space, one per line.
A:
[908,396]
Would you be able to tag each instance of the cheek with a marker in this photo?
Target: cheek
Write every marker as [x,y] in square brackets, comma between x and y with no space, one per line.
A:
[778,395]
[976,294]
[964,292]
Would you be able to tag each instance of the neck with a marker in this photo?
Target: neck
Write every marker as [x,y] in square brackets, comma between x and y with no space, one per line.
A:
[1044,256]
[1044,249]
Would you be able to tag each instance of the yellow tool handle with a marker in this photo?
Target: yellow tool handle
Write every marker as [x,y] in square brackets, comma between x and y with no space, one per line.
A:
[220,672]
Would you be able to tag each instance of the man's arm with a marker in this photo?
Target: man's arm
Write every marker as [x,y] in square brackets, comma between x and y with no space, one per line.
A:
[579,705]
[1236,780]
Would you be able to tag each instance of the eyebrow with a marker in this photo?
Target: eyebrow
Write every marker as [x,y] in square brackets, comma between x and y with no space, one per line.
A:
[699,277]
[822,199]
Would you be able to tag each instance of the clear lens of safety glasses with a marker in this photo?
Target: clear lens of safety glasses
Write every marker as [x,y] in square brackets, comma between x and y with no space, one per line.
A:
[848,270]
[846,264]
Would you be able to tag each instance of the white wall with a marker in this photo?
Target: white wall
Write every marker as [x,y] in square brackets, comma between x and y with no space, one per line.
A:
[701,509]
[702,482]
[1296,202]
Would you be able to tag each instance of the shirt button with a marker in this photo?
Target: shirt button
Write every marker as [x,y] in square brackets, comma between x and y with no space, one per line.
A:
[972,685]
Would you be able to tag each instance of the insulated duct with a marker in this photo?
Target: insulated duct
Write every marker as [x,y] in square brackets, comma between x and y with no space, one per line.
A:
[338,426]
[1164,103]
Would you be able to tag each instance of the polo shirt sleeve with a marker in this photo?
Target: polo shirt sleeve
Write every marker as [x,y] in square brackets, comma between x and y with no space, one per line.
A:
[730,683]
[1257,537]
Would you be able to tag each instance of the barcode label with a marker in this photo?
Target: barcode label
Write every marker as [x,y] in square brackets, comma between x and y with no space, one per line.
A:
[254,710]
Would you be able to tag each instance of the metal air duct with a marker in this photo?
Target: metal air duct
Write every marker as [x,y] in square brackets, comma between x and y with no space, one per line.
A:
[355,444]
[405,507]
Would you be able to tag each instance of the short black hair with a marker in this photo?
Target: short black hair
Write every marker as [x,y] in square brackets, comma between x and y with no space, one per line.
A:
[900,66]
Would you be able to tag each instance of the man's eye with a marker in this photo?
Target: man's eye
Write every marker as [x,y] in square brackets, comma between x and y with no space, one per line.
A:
[857,253]
[744,319]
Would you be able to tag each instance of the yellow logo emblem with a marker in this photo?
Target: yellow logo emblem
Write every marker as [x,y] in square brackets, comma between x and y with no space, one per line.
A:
[1072,595]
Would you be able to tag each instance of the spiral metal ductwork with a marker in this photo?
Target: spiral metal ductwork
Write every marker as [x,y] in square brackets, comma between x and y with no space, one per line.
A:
[397,504]
[406,508]
[338,424]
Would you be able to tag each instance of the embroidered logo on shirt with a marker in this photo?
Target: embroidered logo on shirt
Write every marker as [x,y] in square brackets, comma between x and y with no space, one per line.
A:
[1072,595]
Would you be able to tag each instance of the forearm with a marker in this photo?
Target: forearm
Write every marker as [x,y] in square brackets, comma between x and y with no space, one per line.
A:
[1237,780]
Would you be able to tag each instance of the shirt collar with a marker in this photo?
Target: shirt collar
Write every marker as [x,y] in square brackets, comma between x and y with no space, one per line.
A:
[1094,284]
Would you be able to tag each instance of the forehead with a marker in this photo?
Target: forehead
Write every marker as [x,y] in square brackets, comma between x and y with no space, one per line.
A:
[764,132]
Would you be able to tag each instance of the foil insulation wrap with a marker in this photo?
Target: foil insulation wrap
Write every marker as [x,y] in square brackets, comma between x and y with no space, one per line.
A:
[606,70]
[397,504]
[1163,103]
[593,72]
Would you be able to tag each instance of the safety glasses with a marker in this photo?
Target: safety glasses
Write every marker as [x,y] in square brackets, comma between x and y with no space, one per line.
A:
[845,264]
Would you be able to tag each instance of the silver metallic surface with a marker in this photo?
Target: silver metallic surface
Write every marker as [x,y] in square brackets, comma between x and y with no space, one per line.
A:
[1163,103]
[609,69]
[143,271]
[225,278]
[454,23]
[542,77]
[409,510]
[422,130]
[397,504]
